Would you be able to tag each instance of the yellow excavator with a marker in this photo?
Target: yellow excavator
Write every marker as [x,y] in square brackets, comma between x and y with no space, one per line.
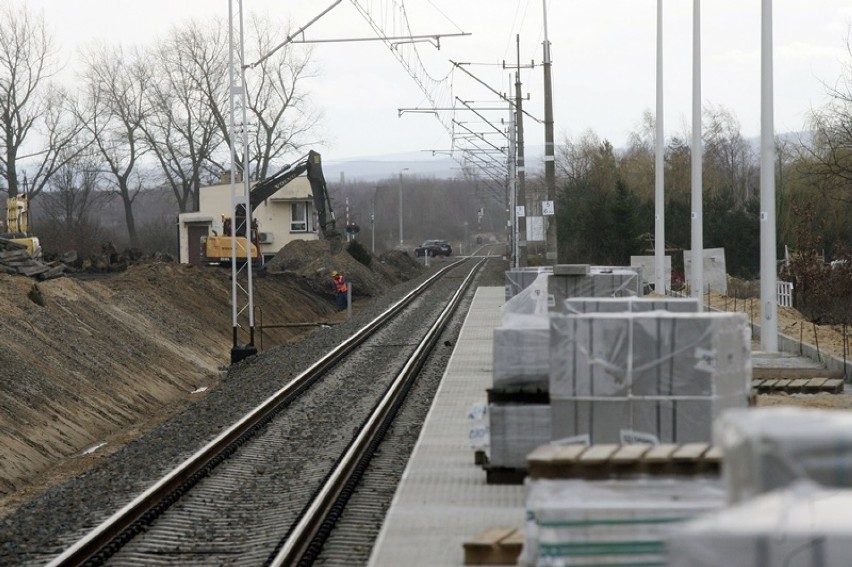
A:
[216,249]
[17,225]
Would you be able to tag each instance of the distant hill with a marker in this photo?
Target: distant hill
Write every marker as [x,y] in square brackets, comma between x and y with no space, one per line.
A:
[421,164]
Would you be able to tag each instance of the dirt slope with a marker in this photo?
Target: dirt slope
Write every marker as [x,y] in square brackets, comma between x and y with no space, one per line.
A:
[84,363]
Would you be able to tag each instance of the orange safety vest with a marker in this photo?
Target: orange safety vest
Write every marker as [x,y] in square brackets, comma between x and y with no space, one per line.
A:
[340,284]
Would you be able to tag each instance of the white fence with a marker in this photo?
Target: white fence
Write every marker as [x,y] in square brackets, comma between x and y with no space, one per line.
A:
[785,294]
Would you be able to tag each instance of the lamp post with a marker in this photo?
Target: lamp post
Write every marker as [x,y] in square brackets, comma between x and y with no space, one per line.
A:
[401,245]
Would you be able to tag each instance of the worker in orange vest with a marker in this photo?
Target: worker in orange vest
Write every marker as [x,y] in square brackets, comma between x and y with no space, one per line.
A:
[341,287]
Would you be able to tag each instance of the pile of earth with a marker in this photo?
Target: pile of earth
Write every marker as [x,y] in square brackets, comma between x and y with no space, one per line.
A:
[92,362]
[315,260]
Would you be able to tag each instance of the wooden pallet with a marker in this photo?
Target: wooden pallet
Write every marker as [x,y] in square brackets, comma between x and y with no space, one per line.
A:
[504,475]
[494,546]
[797,385]
[604,461]
[517,396]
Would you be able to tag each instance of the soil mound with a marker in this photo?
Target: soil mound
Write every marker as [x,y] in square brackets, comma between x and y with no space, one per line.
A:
[315,261]
[88,362]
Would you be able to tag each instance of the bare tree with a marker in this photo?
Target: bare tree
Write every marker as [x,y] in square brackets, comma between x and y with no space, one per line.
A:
[34,113]
[728,159]
[71,203]
[830,148]
[116,83]
[278,105]
[183,129]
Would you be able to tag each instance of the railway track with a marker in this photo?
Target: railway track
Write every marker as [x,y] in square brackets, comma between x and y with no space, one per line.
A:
[269,489]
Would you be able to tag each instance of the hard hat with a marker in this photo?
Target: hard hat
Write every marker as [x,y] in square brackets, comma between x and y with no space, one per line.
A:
[333,274]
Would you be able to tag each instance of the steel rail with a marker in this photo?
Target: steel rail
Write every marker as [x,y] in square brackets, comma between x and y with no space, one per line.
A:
[303,535]
[114,532]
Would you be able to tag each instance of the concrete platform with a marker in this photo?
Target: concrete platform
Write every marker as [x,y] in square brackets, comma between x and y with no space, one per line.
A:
[443,499]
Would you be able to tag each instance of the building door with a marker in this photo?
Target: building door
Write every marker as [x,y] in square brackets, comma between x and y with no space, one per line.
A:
[194,233]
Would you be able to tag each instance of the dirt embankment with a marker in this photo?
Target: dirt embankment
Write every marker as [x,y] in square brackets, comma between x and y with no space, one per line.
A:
[92,362]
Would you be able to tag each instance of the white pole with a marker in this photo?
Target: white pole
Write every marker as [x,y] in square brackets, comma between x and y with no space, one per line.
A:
[697,276]
[349,300]
[768,274]
[401,246]
[659,206]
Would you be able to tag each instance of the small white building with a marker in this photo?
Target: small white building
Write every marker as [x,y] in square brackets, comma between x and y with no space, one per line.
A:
[285,216]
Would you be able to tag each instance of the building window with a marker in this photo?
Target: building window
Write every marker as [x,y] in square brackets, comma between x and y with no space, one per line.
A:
[298,217]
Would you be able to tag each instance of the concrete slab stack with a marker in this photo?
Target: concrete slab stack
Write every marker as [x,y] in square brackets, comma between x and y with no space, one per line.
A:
[516,430]
[578,305]
[659,376]
[613,522]
[801,526]
[765,449]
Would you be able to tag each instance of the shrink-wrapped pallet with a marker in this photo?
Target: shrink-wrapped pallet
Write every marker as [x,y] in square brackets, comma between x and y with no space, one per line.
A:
[801,526]
[518,279]
[578,305]
[520,354]
[599,282]
[516,430]
[769,448]
[659,375]
[613,522]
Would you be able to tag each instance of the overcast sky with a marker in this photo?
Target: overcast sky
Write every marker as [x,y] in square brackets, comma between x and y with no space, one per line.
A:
[603,54]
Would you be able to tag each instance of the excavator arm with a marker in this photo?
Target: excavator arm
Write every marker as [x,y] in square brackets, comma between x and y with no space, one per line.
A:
[312,164]
[322,202]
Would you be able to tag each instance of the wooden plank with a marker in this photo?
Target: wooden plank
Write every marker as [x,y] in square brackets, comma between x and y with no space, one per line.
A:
[783,384]
[660,454]
[768,385]
[793,373]
[713,455]
[543,454]
[568,453]
[815,384]
[833,385]
[797,385]
[494,546]
[598,454]
[629,454]
[690,452]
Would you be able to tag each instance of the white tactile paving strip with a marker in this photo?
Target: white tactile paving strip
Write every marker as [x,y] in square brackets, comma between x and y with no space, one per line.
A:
[443,499]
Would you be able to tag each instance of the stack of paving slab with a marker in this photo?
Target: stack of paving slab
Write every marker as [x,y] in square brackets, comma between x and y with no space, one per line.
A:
[520,366]
[787,474]
[611,522]
[519,279]
[521,351]
[803,525]
[657,376]
[579,280]
[765,449]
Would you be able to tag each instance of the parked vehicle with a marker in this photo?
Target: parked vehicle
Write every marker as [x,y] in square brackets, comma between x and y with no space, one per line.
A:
[433,248]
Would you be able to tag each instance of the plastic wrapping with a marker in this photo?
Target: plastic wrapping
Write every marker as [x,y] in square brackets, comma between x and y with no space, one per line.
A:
[578,305]
[614,522]
[479,434]
[516,430]
[664,375]
[522,342]
[600,282]
[768,448]
[801,526]
[521,353]
[518,279]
